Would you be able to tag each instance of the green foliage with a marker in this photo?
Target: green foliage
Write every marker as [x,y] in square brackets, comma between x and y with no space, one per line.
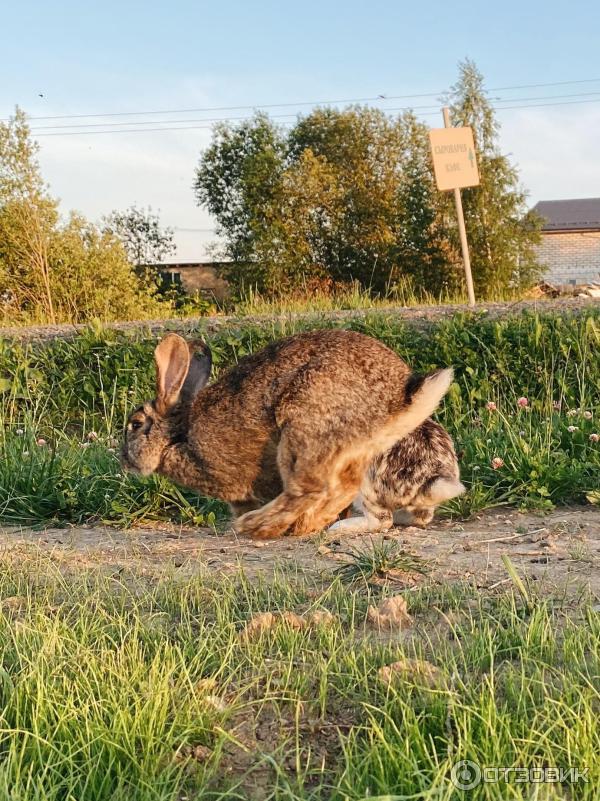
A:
[354,160]
[425,250]
[323,296]
[237,178]
[502,233]
[146,242]
[349,195]
[53,271]
[91,278]
[379,562]
[61,480]
[19,169]
[63,390]
[26,229]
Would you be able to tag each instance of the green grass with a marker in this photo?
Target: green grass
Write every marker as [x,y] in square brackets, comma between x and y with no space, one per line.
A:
[64,391]
[70,481]
[378,561]
[352,296]
[118,689]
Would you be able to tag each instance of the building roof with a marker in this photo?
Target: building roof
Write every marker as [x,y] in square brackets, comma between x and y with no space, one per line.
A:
[581,214]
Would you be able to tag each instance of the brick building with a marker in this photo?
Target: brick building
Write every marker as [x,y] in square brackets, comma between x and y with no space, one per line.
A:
[570,247]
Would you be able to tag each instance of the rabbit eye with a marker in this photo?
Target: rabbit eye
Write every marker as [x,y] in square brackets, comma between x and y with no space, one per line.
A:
[136,424]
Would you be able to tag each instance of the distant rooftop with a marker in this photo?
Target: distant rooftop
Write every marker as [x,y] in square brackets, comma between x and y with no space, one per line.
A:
[582,214]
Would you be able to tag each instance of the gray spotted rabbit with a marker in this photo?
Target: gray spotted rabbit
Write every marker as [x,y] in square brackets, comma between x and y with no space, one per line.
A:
[404,485]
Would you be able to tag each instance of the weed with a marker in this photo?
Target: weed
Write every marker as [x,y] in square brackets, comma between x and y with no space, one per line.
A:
[382,560]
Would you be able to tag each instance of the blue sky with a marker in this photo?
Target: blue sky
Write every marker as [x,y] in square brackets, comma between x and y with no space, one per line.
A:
[133,56]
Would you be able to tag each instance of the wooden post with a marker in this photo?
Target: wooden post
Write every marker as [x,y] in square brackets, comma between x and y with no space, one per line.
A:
[461,227]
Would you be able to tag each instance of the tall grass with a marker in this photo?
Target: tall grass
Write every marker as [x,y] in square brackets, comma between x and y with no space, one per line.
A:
[75,396]
[345,296]
[117,690]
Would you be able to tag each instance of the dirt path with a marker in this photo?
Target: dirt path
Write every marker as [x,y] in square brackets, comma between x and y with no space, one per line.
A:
[418,316]
[557,550]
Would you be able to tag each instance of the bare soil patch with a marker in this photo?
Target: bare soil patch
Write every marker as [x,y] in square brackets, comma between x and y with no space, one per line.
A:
[560,549]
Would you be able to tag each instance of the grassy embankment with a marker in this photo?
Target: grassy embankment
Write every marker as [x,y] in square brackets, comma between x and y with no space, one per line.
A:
[63,405]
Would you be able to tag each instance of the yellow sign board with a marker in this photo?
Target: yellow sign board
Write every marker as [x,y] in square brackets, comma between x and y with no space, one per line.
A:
[454,159]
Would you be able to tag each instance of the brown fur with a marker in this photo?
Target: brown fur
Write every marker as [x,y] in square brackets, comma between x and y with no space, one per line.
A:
[406,483]
[290,429]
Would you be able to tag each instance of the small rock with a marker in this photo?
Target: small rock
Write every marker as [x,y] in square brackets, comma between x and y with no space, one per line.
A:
[258,624]
[293,620]
[218,704]
[13,603]
[201,753]
[268,620]
[411,669]
[321,617]
[205,686]
[392,613]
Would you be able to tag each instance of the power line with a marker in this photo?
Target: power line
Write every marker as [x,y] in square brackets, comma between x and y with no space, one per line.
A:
[255,106]
[542,105]
[258,106]
[204,119]
[184,127]
[109,125]
[540,85]
[544,97]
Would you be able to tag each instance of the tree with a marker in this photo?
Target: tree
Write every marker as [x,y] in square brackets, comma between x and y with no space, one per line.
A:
[424,247]
[301,244]
[237,180]
[321,202]
[52,271]
[92,276]
[502,233]
[350,196]
[146,242]
[364,151]
[20,176]
[27,217]
[26,229]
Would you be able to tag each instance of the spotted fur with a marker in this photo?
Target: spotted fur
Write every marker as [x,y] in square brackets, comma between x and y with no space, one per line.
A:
[404,485]
[285,436]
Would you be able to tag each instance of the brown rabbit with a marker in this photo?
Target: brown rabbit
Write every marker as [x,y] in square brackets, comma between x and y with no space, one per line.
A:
[290,429]
[404,485]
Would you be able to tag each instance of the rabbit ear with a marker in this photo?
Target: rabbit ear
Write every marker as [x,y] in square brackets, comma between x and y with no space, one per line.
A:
[199,372]
[172,357]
